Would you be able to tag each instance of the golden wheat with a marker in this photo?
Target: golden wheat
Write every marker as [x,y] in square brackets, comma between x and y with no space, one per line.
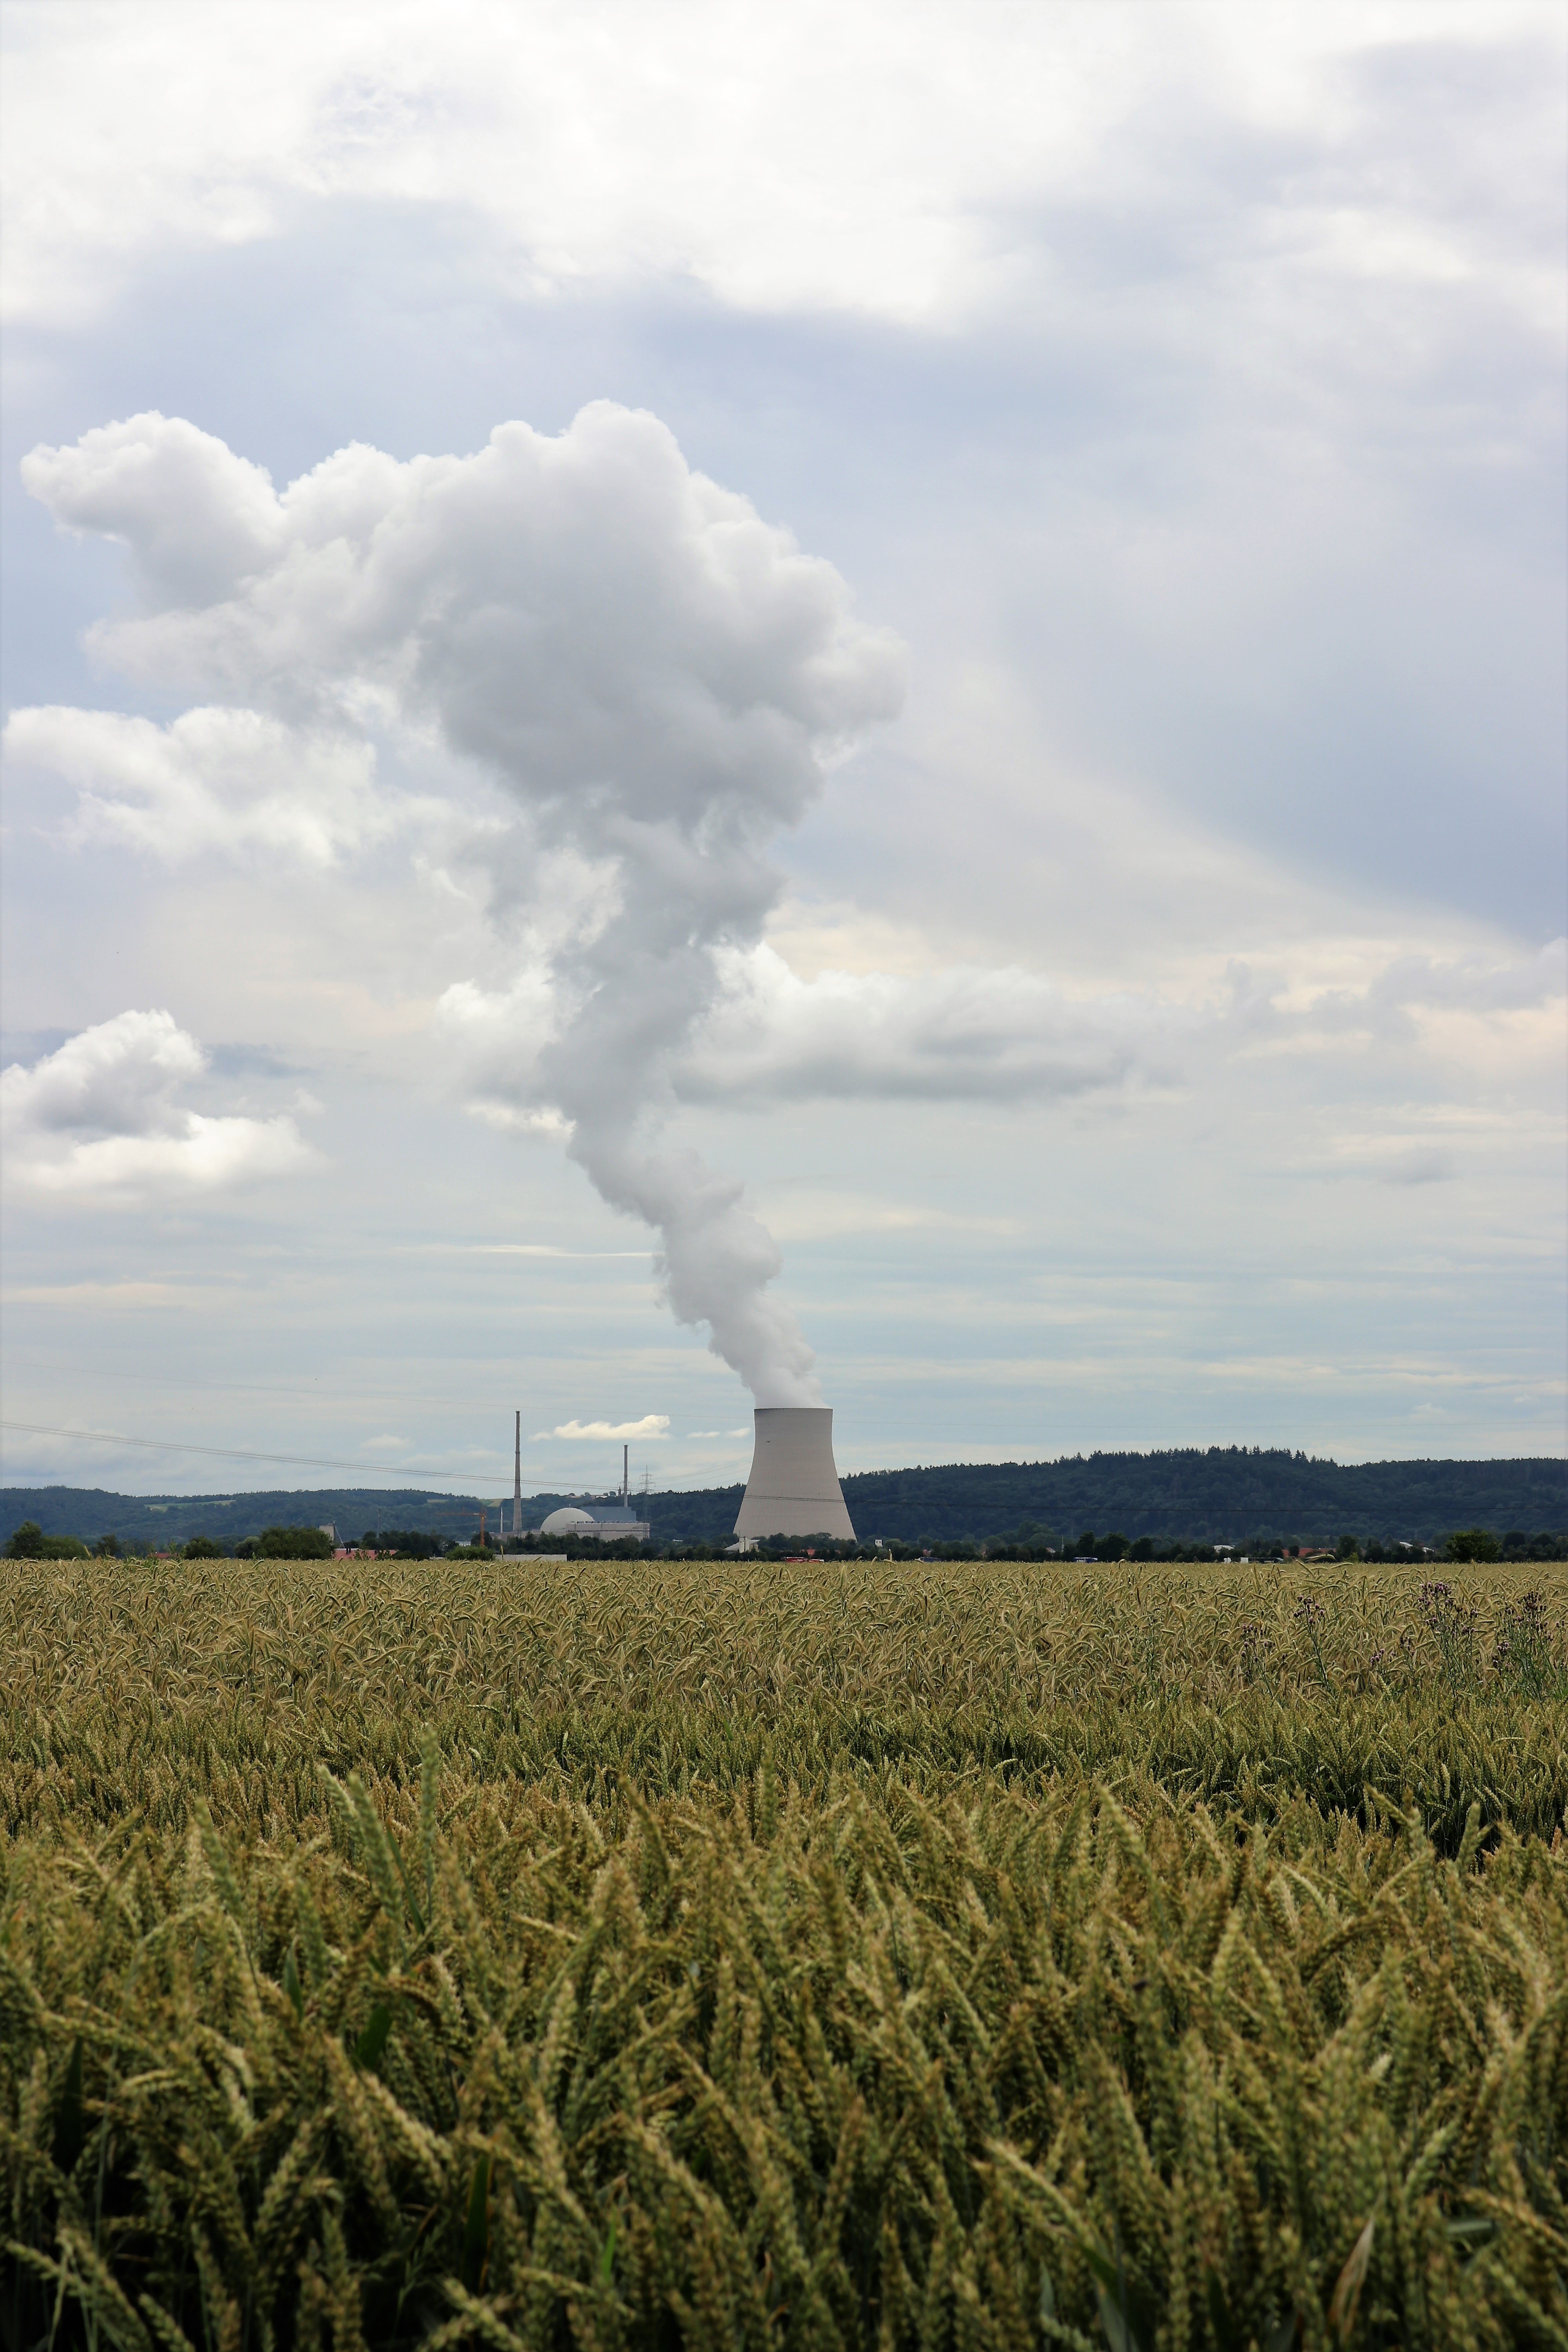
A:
[529,1957]
[132,1689]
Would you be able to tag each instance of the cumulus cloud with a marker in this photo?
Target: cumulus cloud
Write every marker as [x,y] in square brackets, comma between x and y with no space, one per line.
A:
[652,1424]
[966,1032]
[99,1119]
[659,676]
[231,781]
[196,518]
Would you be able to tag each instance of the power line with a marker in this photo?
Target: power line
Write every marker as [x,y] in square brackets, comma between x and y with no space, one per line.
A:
[241,1453]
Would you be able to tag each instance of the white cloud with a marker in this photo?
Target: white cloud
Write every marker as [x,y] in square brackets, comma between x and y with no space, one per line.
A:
[891,160]
[1418,1164]
[498,1034]
[966,1032]
[99,1121]
[132,1296]
[652,1424]
[386,1443]
[118,1077]
[1388,1159]
[199,519]
[1410,999]
[1473,983]
[231,781]
[812,1213]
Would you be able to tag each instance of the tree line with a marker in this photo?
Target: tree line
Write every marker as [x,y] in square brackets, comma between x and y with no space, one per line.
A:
[29,1542]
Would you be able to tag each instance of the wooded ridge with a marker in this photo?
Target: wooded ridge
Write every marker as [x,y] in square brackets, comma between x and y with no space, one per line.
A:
[1221,1494]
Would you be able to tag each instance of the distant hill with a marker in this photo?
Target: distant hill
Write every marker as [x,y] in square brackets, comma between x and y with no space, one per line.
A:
[1222,1494]
[159,1521]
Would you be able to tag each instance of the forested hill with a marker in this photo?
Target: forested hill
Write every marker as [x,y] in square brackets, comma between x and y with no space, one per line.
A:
[1222,1494]
[1226,1495]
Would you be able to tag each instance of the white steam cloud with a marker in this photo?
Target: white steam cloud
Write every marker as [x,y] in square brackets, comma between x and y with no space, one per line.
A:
[660,677]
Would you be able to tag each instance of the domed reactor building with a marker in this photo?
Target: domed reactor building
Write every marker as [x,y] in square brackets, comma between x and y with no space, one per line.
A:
[605,1522]
[793,1487]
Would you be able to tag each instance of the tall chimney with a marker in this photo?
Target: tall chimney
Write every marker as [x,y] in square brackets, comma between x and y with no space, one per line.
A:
[517,1479]
[793,1487]
[626,1473]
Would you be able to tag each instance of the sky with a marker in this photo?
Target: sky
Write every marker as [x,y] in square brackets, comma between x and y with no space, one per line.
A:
[857,704]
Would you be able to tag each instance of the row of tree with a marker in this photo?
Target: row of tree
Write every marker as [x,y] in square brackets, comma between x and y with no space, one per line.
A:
[29,1542]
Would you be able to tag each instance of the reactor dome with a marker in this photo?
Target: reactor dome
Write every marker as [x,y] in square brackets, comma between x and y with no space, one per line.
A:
[567,1521]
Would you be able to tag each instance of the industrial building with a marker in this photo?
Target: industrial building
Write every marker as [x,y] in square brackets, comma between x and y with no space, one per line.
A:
[590,1519]
[793,1487]
[792,1491]
[601,1522]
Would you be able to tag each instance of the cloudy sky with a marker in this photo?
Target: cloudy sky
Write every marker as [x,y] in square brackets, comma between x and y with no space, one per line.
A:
[860,702]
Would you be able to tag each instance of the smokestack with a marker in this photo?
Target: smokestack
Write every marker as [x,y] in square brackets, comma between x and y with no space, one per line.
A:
[626,1472]
[517,1479]
[793,1487]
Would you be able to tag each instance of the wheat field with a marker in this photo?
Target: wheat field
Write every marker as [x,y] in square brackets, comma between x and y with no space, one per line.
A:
[616,1956]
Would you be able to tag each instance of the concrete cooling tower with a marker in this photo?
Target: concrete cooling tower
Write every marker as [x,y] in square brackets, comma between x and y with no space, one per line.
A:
[793,1487]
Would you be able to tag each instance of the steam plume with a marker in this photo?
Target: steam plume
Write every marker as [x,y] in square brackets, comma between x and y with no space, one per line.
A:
[659,676]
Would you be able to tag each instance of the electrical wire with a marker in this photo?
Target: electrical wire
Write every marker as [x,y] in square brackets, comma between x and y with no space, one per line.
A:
[241,1453]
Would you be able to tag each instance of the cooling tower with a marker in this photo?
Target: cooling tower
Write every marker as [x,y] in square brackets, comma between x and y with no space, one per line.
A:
[793,1487]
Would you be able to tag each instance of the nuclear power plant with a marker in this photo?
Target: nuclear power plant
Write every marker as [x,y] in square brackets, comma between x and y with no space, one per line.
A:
[606,1522]
[793,1492]
[793,1487]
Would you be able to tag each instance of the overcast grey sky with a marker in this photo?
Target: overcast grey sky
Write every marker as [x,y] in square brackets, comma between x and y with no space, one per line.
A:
[889,678]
